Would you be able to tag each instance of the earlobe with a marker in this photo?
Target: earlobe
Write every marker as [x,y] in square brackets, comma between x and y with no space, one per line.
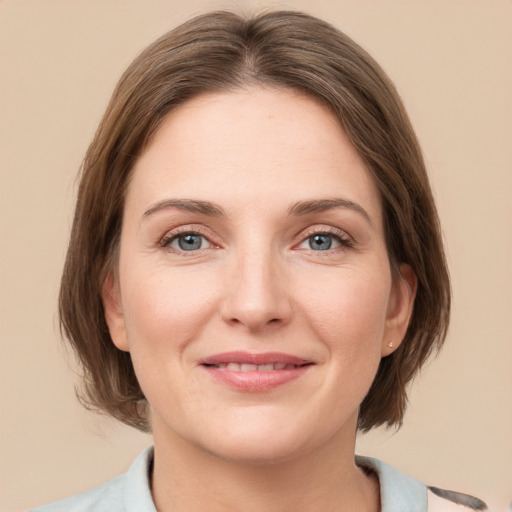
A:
[400,307]
[114,313]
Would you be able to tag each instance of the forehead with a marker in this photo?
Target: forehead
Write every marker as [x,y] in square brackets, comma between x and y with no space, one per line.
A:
[254,145]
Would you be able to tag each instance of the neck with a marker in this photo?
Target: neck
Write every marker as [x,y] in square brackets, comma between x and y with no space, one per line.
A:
[187,478]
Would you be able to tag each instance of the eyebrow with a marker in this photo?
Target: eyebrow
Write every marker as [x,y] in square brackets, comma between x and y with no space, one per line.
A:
[189,205]
[300,208]
[322,205]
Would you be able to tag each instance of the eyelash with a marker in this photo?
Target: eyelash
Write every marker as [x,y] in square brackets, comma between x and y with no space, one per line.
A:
[345,241]
[174,235]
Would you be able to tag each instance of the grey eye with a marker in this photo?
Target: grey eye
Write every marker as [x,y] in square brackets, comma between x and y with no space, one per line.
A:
[189,242]
[320,242]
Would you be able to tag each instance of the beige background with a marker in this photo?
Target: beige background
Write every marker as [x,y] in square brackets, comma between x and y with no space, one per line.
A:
[452,62]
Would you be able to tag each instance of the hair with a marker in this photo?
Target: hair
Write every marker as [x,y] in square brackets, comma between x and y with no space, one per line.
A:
[219,52]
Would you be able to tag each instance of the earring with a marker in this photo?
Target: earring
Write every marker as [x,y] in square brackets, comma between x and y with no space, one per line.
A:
[390,345]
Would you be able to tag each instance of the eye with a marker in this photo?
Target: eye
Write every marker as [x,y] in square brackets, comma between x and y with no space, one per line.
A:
[320,242]
[187,242]
[325,241]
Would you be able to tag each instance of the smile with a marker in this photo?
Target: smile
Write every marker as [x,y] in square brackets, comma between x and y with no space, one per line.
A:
[245,367]
[254,372]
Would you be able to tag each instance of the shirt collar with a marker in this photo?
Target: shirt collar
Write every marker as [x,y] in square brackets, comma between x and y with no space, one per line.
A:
[398,492]
[137,492]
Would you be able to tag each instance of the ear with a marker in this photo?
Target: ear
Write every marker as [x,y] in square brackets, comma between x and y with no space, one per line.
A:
[114,312]
[400,306]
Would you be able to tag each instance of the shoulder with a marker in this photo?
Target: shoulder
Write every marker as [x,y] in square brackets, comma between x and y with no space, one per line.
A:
[105,498]
[403,493]
[129,492]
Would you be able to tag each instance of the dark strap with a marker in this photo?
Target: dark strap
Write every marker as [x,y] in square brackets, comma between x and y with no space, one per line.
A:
[460,498]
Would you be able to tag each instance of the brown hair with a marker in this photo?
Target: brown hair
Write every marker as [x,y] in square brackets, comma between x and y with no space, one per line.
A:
[221,51]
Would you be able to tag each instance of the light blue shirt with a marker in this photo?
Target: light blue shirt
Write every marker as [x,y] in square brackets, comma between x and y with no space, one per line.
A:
[131,491]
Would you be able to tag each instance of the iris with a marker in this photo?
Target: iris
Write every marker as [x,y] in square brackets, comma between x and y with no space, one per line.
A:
[190,242]
[320,242]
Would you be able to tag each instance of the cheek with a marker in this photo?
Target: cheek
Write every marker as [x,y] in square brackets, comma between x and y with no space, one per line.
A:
[163,318]
[349,311]
[346,313]
[169,310]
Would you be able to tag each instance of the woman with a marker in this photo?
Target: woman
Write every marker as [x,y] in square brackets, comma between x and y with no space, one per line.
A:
[255,271]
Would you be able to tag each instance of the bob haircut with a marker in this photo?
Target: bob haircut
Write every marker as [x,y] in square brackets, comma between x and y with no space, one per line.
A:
[219,52]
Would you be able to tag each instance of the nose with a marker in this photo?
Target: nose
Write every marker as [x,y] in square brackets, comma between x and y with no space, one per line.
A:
[256,294]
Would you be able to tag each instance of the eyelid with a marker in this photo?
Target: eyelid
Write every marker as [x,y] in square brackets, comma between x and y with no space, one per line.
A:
[324,229]
[346,240]
[192,229]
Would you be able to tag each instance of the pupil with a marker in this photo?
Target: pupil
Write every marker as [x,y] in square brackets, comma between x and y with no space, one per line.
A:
[189,242]
[320,242]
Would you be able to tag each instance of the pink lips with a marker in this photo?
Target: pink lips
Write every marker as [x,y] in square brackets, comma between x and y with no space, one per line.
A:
[254,372]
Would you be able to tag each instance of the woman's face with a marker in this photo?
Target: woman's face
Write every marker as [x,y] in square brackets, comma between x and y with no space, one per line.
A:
[254,290]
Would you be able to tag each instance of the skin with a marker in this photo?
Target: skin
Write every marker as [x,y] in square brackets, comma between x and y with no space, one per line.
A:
[255,284]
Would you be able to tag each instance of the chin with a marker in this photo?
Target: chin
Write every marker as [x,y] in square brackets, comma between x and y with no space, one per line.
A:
[264,438]
[258,450]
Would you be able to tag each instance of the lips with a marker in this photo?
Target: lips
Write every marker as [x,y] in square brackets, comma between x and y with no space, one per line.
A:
[250,372]
[245,367]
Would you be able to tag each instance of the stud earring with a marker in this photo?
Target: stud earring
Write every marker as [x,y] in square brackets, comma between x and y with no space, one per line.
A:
[390,345]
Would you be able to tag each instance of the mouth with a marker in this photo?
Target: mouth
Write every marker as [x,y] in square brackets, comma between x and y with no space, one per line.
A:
[250,372]
[247,367]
